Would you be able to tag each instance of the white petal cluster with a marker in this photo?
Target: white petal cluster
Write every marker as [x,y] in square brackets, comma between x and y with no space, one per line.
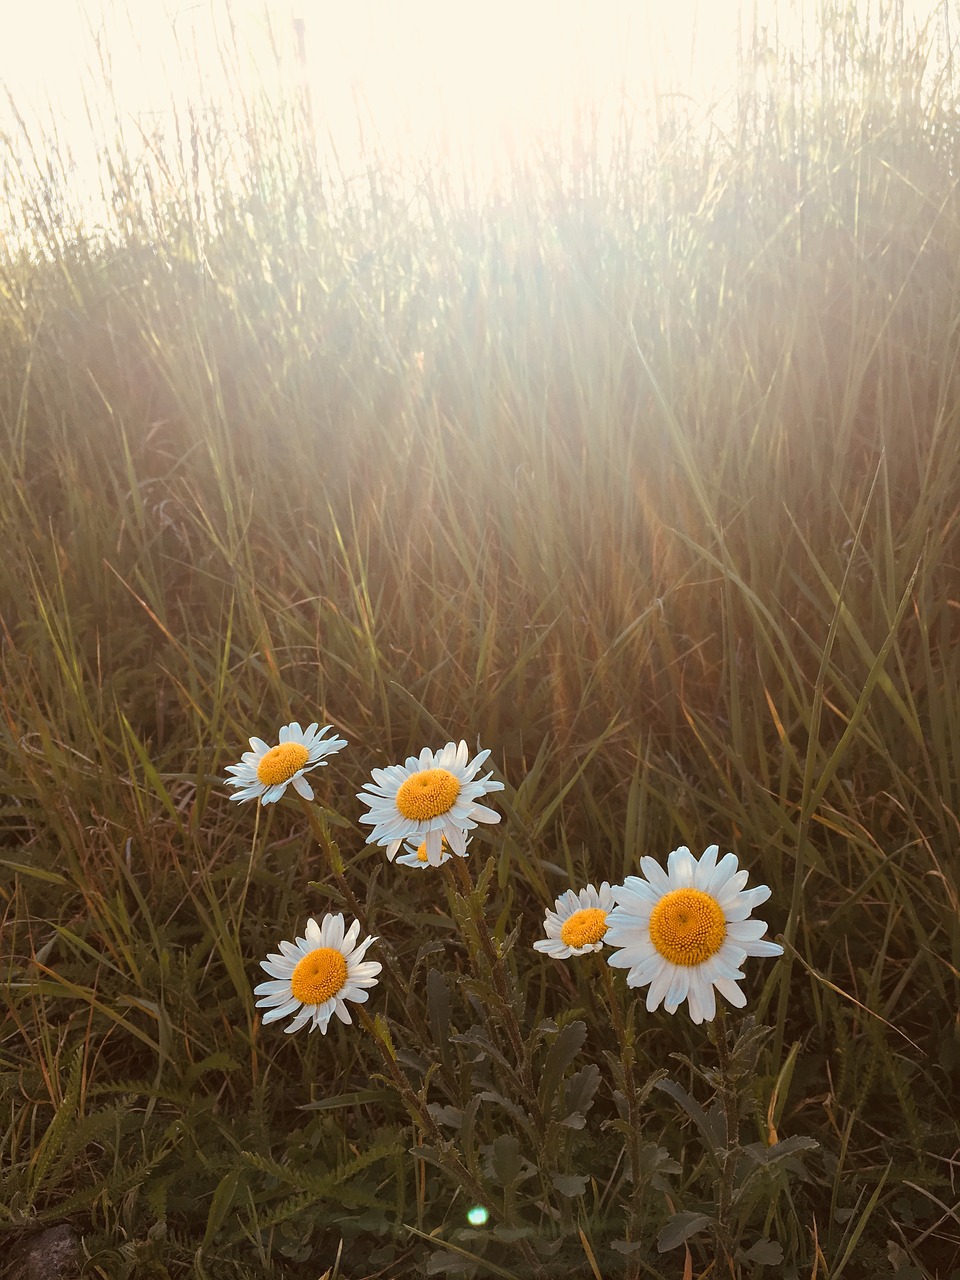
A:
[246,777]
[278,996]
[392,828]
[670,983]
[568,905]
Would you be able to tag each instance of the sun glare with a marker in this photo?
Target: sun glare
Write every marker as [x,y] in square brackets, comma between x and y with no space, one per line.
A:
[475,85]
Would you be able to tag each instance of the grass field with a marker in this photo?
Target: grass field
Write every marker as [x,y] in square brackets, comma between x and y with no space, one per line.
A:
[644,473]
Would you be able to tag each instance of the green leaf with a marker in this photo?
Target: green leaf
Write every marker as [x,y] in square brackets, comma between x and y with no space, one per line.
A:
[220,1205]
[341,1100]
[570,1184]
[767,1253]
[438,1008]
[579,1090]
[562,1052]
[709,1126]
[450,1116]
[765,1155]
[505,1160]
[679,1228]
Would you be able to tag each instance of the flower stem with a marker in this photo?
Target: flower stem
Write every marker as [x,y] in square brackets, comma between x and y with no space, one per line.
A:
[730,1104]
[318,825]
[627,1058]
[499,975]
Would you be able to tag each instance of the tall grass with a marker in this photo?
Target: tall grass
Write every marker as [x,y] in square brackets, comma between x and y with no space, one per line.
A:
[642,471]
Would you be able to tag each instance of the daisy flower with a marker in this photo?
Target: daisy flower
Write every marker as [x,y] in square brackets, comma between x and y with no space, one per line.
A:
[428,798]
[579,923]
[266,771]
[686,931]
[313,976]
[416,855]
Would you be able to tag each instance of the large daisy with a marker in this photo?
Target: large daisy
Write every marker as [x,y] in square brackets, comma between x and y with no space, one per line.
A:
[579,923]
[429,798]
[686,930]
[313,976]
[267,771]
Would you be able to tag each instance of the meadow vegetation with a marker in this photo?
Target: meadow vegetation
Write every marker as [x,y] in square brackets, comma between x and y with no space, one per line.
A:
[641,469]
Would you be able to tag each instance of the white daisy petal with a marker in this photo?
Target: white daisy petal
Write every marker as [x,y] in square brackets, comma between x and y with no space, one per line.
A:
[302,787]
[280,1011]
[731,993]
[731,890]
[706,866]
[685,931]
[726,867]
[656,875]
[659,986]
[764,949]
[681,867]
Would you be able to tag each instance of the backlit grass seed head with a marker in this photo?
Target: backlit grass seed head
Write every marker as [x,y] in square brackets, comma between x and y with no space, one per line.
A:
[416,855]
[427,799]
[313,976]
[579,923]
[685,932]
[265,772]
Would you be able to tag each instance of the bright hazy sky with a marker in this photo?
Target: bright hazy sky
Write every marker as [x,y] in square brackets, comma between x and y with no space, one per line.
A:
[483,73]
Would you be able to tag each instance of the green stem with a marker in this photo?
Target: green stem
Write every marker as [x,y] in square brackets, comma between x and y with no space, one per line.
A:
[499,975]
[731,1140]
[627,1057]
[318,826]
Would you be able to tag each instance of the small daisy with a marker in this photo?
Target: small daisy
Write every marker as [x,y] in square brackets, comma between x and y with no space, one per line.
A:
[579,923]
[313,976]
[428,798]
[687,930]
[266,771]
[416,855]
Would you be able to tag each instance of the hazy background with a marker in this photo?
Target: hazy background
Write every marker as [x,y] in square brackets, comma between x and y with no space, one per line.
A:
[478,85]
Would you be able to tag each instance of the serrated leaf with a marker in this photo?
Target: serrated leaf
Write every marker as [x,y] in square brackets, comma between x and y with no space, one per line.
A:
[654,1159]
[710,1127]
[570,1184]
[580,1088]
[679,1228]
[450,1116]
[562,1052]
[765,1155]
[438,1009]
[505,1159]
[626,1246]
[445,1263]
[575,1120]
[383,1031]
[767,1253]
[512,1109]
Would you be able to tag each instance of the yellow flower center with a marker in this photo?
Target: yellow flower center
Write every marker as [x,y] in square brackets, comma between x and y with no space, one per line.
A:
[279,764]
[427,794]
[584,927]
[687,926]
[318,976]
